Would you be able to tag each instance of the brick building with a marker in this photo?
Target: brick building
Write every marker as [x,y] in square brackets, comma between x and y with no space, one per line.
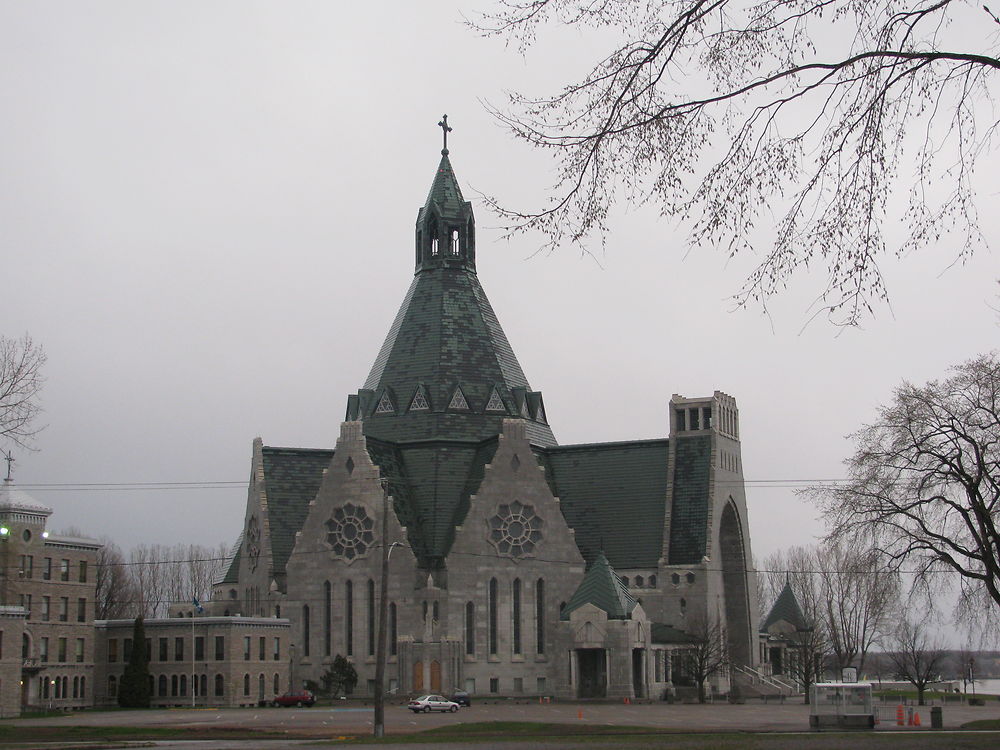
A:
[47,591]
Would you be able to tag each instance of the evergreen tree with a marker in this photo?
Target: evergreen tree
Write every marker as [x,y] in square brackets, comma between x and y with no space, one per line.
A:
[133,692]
[341,677]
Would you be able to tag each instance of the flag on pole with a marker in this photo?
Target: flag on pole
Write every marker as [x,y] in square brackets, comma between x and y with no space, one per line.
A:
[197,606]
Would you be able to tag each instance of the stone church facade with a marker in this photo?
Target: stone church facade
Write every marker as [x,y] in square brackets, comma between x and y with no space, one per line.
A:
[517,565]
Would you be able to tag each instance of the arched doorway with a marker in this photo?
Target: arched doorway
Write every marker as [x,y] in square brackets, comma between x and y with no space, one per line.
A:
[734,584]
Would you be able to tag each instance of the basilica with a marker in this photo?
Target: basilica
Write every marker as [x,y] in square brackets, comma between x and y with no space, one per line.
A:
[517,566]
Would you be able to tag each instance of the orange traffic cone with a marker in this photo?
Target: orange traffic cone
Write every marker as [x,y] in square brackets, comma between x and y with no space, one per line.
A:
[899,715]
[916,719]
[579,714]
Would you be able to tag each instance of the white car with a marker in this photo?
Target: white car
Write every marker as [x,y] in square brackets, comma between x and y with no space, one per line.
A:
[427,703]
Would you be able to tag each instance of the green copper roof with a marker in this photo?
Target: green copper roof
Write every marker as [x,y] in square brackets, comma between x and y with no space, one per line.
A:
[431,484]
[602,587]
[291,480]
[445,194]
[786,608]
[613,495]
[689,509]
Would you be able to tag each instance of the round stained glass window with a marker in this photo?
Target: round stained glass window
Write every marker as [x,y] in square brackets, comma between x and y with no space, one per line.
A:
[253,542]
[515,530]
[350,532]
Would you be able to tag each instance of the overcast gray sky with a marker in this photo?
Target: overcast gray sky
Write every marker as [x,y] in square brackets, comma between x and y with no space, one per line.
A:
[207,212]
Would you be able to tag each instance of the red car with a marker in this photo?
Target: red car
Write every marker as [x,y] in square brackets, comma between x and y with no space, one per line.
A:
[301,698]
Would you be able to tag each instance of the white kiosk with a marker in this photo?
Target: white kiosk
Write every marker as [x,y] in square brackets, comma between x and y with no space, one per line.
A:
[841,705]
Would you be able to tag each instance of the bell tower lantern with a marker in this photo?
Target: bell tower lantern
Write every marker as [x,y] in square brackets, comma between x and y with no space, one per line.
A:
[446,227]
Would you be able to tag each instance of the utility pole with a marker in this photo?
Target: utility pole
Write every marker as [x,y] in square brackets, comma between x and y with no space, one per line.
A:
[383,611]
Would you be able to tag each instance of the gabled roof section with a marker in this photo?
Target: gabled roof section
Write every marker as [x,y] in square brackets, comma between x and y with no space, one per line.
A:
[602,587]
[613,496]
[786,608]
[291,480]
[231,567]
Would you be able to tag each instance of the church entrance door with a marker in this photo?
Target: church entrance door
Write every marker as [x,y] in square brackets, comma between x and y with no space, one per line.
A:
[435,677]
[593,673]
[418,677]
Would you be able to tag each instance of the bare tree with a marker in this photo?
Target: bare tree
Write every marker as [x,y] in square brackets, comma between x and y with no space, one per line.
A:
[162,575]
[115,597]
[860,596]
[21,362]
[724,113]
[706,655]
[916,656]
[924,482]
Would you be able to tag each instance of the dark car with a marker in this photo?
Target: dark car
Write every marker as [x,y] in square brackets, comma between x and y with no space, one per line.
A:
[301,698]
[461,698]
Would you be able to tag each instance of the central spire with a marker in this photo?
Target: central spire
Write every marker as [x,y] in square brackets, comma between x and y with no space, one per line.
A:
[446,227]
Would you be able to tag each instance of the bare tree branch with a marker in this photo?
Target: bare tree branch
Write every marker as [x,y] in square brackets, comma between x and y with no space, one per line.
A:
[21,363]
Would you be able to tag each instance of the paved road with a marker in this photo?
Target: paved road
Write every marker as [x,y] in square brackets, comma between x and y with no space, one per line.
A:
[357,720]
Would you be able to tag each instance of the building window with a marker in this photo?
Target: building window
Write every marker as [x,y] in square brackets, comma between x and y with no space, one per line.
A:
[540,616]
[126,649]
[81,610]
[113,650]
[305,630]
[220,647]
[393,635]
[262,648]
[179,650]
[493,616]
[679,413]
[349,618]
[277,684]
[79,650]
[220,684]
[43,651]
[163,686]
[63,609]
[246,684]
[184,685]
[204,684]
[26,603]
[46,612]
[112,686]
[246,648]
[652,581]
[494,684]
[173,685]
[61,656]
[694,421]
[327,618]
[371,617]
[27,566]
[199,648]
[470,629]
[516,615]
[47,570]
[83,571]
[164,649]
[277,649]
[64,570]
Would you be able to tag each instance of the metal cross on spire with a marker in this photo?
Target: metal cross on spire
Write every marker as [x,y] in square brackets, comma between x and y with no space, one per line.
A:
[9,458]
[446,128]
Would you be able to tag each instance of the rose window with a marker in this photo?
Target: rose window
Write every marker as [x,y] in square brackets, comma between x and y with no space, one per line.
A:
[253,542]
[350,531]
[515,530]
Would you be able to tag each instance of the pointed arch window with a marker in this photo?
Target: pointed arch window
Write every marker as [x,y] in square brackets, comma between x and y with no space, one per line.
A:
[305,630]
[327,617]
[540,616]
[516,615]
[393,634]
[458,401]
[419,401]
[454,242]
[432,231]
[495,403]
[470,628]
[493,611]
[371,617]
[349,618]
[385,404]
